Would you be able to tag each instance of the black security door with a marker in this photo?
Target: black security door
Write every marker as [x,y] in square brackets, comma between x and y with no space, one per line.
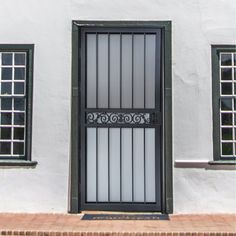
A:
[121,113]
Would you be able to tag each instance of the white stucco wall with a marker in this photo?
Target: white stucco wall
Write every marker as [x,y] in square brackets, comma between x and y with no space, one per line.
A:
[196,24]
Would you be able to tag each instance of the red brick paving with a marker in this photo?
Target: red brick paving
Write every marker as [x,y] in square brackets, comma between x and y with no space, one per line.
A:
[72,225]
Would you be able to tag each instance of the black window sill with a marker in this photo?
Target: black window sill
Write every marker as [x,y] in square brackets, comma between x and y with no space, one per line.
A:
[222,162]
[18,163]
[213,165]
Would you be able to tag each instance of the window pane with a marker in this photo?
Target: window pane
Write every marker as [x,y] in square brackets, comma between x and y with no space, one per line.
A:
[19,133]
[226,104]
[234,59]
[226,119]
[6,103]
[6,59]
[19,88]
[5,133]
[227,148]
[6,118]
[18,148]
[19,58]
[227,134]
[19,74]
[226,59]
[6,88]
[5,148]
[226,74]
[226,88]
[19,104]
[6,73]
[19,118]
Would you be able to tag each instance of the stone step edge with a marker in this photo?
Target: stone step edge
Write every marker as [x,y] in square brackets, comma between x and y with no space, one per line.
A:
[105,233]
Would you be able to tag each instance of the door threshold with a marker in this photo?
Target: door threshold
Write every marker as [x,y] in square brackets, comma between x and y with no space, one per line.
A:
[121,212]
[110,215]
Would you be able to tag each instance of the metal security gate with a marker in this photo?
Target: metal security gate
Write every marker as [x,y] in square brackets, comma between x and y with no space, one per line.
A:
[121,119]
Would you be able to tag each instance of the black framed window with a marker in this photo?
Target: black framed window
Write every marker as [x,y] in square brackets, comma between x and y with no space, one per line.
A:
[16,82]
[224,101]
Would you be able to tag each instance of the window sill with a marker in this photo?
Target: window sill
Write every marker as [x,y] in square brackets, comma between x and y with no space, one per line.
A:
[18,163]
[222,162]
[213,165]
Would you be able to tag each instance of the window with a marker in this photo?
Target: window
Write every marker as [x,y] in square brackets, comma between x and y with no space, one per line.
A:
[224,101]
[16,63]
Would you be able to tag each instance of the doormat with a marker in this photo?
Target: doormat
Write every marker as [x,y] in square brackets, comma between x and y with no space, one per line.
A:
[124,217]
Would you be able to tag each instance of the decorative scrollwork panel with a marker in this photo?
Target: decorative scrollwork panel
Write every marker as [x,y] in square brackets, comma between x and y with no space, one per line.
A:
[117,118]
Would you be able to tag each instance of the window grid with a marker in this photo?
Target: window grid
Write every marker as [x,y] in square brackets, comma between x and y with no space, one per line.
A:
[227,65]
[12,87]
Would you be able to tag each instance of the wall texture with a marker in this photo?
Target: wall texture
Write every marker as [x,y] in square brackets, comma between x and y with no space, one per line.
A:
[196,25]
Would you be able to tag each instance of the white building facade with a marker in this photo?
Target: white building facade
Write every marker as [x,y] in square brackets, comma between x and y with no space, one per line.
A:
[168,66]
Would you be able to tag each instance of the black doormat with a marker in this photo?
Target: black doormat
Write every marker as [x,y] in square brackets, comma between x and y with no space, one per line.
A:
[124,217]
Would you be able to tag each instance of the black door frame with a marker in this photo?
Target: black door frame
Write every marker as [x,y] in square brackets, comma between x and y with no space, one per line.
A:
[77,92]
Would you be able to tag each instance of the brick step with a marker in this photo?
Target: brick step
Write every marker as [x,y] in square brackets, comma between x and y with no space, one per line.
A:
[72,225]
[51,233]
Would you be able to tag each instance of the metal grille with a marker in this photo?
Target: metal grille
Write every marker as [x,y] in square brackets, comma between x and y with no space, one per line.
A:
[121,118]
[228,104]
[12,104]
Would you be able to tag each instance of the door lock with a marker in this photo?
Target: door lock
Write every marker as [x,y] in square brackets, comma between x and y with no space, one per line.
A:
[153,118]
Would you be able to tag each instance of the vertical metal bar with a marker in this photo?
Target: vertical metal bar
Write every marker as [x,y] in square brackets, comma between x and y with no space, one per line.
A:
[108,107]
[144,71]
[132,71]
[144,130]
[144,165]
[96,127]
[97,165]
[108,164]
[132,150]
[158,83]
[108,70]
[120,107]
[120,164]
[96,70]
[120,70]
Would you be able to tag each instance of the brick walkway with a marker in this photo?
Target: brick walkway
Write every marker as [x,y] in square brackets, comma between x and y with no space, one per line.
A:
[72,225]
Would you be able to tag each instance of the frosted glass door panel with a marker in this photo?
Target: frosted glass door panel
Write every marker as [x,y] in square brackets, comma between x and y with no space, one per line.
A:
[91,71]
[150,165]
[102,175]
[138,164]
[127,71]
[114,164]
[150,52]
[138,71]
[114,71]
[102,71]
[127,165]
[91,165]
